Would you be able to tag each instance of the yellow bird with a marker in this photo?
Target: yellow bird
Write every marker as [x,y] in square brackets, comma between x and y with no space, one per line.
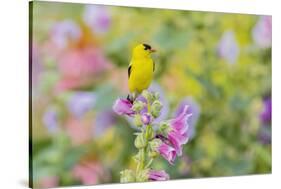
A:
[140,70]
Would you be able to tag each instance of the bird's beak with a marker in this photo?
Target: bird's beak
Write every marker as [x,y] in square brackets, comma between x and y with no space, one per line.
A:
[152,50]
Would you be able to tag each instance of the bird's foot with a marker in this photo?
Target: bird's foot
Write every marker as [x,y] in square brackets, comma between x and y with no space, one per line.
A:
[130,98]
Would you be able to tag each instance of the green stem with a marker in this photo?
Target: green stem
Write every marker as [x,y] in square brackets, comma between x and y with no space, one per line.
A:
[142,162]
[149,163]
[143,151]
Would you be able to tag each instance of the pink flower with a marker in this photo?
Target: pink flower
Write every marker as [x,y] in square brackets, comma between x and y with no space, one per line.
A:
[79,67]
[123,107]
[178,132]
[194,108]
[88,173]
[177,140]
[168,152]
[79,130]
[154,175]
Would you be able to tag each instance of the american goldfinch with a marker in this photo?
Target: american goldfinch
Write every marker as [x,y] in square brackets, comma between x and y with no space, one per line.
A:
[140,70]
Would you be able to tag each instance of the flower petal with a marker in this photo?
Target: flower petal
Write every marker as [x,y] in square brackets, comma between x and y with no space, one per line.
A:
[180,123]
[123,107]
[168,152]
[158,175]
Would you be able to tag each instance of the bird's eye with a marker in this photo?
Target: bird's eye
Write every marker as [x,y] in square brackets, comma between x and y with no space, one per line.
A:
[146,47]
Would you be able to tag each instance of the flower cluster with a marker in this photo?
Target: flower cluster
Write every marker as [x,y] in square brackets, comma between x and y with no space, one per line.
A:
[164,139]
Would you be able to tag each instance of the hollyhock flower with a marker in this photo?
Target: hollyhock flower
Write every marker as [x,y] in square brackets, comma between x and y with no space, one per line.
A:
[179,124]
[177,140]
[262,32]
[123,107]
[166,139]
[50,120]
[81,102]
[154,175]
[228,47]
[193,108]
[167,152]
[65,31]
[97,17]
[177,133]
[80,67]
[265,115]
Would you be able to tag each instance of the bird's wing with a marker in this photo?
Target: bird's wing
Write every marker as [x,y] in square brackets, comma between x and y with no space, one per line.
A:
[153,66]
[129,70]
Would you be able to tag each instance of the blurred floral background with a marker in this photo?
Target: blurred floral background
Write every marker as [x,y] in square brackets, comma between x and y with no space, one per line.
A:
[218,64]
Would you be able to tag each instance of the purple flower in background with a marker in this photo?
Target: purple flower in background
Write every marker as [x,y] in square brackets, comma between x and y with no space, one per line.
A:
[103,121]
[262,32]
[167,152]
[64,32]
[81,102]
[123,107]
[264,134]
[228,47]
[193,108]
[97,17]
[50,120]
[154,175]
[265,115]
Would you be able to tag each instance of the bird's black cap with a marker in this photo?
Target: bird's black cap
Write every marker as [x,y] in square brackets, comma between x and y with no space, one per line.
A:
[147,47]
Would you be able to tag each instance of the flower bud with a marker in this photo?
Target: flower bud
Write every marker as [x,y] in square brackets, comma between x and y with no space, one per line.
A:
[149,133]
[142,175]
[164,127]
[156,96]
[138,106]
[155,143]
[146,118]
[148,96]
[138,120]
[156,108]
[127,176]
[153,147]
[137,157]
[152,154]
[140,141]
